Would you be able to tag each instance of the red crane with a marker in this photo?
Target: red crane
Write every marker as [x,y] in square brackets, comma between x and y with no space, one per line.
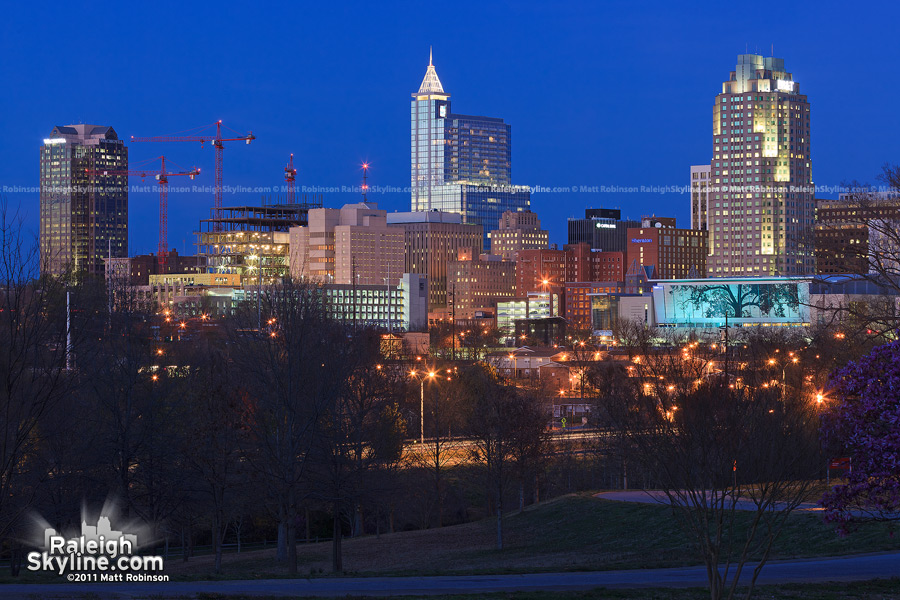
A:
[290,176]
[162,177]
[219,144]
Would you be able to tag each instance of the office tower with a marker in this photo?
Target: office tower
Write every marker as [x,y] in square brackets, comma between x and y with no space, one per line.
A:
[433,239]
[700,178]
[852,233]
[673,253]
[460,163]
[761,207]
[84,199]
[351,245]
[478,283]
[517,231]
[601,228]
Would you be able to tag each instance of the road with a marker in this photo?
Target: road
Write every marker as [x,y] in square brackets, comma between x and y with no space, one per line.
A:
[847,568]
[658,497]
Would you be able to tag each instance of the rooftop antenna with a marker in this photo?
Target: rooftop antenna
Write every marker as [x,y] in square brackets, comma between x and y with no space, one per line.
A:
[365,185]
[430,48]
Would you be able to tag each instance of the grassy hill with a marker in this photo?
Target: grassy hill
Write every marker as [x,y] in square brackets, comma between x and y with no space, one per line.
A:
[574,532]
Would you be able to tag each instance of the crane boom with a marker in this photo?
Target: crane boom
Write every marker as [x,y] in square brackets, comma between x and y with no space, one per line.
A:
[162,177]
[218,143]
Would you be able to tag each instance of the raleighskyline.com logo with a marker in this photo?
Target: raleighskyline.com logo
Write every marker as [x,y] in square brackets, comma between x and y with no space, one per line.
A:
[100,553]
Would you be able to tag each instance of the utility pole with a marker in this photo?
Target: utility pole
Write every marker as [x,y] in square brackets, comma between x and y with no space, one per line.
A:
[453,323]
[68,330]
[109,284]
[727,381]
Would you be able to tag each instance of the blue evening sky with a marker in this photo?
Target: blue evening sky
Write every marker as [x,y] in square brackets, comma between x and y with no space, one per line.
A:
[598,93]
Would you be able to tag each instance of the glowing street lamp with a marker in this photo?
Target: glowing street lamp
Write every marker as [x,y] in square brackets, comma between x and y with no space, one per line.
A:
[415,375]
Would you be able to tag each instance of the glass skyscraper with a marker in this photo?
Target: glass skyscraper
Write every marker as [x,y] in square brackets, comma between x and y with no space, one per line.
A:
[460,163]
[84,199]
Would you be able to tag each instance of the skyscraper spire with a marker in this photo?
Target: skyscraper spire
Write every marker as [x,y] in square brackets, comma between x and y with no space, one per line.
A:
[431,84]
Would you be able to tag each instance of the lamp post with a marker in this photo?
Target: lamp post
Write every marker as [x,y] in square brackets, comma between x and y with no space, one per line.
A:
[416,375]
[793,360]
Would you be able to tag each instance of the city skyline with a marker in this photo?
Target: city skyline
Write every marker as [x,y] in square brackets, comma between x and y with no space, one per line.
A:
[559,142]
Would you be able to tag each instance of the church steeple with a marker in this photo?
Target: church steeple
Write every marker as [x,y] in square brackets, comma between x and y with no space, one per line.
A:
[431,84]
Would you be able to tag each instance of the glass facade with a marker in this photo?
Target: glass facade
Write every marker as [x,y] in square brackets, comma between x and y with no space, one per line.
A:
[84,208]
[603,229]
[460,163]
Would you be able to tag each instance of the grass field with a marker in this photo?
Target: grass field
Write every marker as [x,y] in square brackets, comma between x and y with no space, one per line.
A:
[868,590]
[571,533]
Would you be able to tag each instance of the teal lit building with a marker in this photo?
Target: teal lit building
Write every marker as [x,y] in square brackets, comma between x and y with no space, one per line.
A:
[746,301]
[460,163]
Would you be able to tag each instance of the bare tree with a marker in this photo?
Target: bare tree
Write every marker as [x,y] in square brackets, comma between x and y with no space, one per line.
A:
[358,431]
[440,449]
[33,351]
[860,236]
[289,355]
[733,457]
[502,422]
[213,427]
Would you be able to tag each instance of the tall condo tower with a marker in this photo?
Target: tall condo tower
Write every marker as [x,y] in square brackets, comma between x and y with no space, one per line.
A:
[760,198]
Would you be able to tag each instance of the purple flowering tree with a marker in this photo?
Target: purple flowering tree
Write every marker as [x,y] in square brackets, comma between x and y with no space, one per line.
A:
[865,425]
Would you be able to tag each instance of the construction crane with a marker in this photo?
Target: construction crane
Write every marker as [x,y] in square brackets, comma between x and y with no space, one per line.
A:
[219,144]
[162,177]
[290,176]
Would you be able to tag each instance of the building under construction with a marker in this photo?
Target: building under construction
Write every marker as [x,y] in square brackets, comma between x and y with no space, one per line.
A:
[252,241]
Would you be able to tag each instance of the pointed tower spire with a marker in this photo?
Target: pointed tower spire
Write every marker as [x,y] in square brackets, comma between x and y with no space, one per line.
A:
[431,84]
[431,48]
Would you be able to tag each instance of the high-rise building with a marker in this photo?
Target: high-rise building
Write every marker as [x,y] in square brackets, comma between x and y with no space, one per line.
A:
[84,199]
[518,231]
[700,177]
[460,163]
[761,206]
[601,228]
[432,239]
[352,245]
[674,253]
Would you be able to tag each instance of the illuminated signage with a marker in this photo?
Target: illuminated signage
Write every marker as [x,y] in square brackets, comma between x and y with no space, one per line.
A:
[784,86]
[54,140]
[606,225]
[641,240]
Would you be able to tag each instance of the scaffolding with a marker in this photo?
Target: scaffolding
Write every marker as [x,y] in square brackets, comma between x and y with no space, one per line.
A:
[252,241]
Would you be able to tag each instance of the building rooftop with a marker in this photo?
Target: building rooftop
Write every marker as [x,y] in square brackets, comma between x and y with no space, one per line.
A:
[424,216]
[430,84]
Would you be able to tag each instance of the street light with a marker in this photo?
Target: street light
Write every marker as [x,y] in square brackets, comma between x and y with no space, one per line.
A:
[415,375]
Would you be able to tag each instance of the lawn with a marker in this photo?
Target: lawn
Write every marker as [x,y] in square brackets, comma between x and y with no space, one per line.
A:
[866,590]
[570,533]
